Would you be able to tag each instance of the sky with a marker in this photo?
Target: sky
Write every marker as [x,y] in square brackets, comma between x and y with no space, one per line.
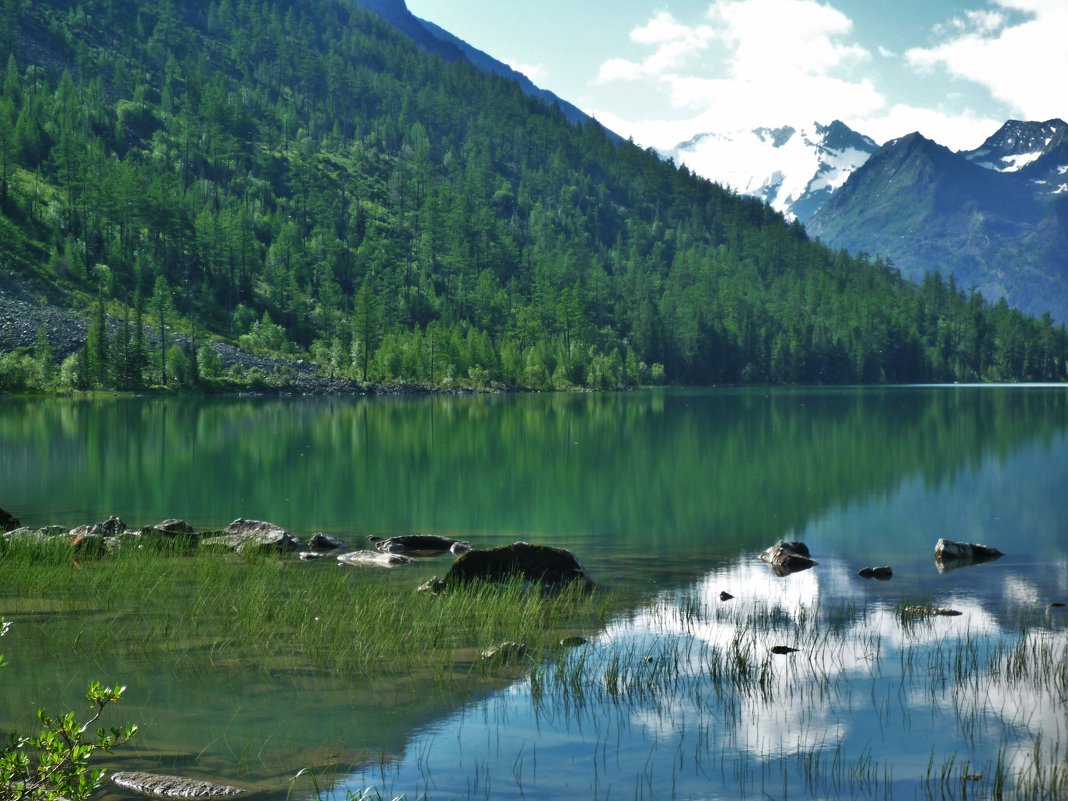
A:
[661,71]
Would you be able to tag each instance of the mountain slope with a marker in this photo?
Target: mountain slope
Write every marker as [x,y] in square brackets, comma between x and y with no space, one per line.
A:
[304,181]
[437,40]
[984,217]
[794,170]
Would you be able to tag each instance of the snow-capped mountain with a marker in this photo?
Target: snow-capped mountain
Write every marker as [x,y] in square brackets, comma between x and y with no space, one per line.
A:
[1018,144]
[795,170]
[994,218]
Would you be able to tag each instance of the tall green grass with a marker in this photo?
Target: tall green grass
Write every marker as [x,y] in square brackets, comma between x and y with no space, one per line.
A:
[273,611]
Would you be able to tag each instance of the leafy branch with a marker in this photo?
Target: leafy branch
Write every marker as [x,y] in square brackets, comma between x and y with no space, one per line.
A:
[53,762]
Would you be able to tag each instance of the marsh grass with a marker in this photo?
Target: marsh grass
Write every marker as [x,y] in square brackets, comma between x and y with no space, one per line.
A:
[271,611]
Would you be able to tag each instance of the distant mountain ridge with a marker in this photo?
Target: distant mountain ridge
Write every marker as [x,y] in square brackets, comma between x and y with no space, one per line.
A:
[794,170]
[434,39]
[994,217]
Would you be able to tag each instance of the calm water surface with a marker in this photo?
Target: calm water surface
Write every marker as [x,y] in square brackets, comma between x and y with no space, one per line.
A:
[668,498]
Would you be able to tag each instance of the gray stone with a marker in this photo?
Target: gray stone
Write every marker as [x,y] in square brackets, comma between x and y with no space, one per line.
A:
[174,528]
[537,563]
[788,557]
[160,786]
[252,535]
[950,555]
[374,559]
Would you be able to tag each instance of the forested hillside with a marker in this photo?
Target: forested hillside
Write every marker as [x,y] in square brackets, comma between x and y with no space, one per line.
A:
[295,177]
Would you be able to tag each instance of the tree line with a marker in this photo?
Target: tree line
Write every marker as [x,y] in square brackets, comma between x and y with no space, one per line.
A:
[299,179]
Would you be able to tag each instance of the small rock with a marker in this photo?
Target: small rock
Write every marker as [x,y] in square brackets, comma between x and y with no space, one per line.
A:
[725,596]
[432,585]
[160,786]
[1057,605]
[786,558]
[783,649]
[877,573]
[174,528]
[950,555]
[573,642]
[310,556]
[374,559]
[324,542]
[505,651]
[248,535]
[419,544]
[928,611]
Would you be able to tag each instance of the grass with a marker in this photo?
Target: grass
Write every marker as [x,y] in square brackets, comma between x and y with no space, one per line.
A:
[270,611]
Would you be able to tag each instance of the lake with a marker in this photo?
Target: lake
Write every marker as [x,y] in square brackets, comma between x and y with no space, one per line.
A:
[668,498]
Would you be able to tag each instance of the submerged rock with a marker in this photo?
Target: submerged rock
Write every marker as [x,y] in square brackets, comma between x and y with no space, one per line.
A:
[311,556]
[374,559]
[537,563]
[161,786]
[419,544]
[505,651]
[8,522]
[922,611]
[786,558]
[573,642]
[877,573]
[950,555]
[433,585]
[782,650]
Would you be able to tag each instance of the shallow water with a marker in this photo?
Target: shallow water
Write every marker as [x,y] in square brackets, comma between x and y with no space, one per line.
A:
[668,498]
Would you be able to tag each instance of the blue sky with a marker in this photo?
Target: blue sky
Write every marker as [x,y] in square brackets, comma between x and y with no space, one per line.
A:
[662,71]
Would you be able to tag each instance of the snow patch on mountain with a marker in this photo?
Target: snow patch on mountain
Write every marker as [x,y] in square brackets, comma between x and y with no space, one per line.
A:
[794,170]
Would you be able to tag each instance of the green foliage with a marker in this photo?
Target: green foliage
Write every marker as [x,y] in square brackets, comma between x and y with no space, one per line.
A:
[330,191]
[53,763]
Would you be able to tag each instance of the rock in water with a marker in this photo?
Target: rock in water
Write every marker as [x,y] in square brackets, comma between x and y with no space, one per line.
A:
[950,555]
[161,786]
[725,596]
[505,651]
[374,559]
[788,557]
[782,650]
[877,573]
[249,535]
[324,542]
[7,521]
[419,544]
[537,563]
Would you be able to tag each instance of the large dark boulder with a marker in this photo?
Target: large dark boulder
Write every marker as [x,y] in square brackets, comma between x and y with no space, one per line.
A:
[788,557]
[7,521]
[160,786]
[537,563]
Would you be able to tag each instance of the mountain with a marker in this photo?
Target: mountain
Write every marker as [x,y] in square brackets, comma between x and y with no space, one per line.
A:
[305,183]
[794,170]
[435,39]
[993,218]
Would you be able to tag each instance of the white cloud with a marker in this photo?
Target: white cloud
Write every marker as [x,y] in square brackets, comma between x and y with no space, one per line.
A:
[1021,62]
[536,72]
[674,43]
[784,61]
